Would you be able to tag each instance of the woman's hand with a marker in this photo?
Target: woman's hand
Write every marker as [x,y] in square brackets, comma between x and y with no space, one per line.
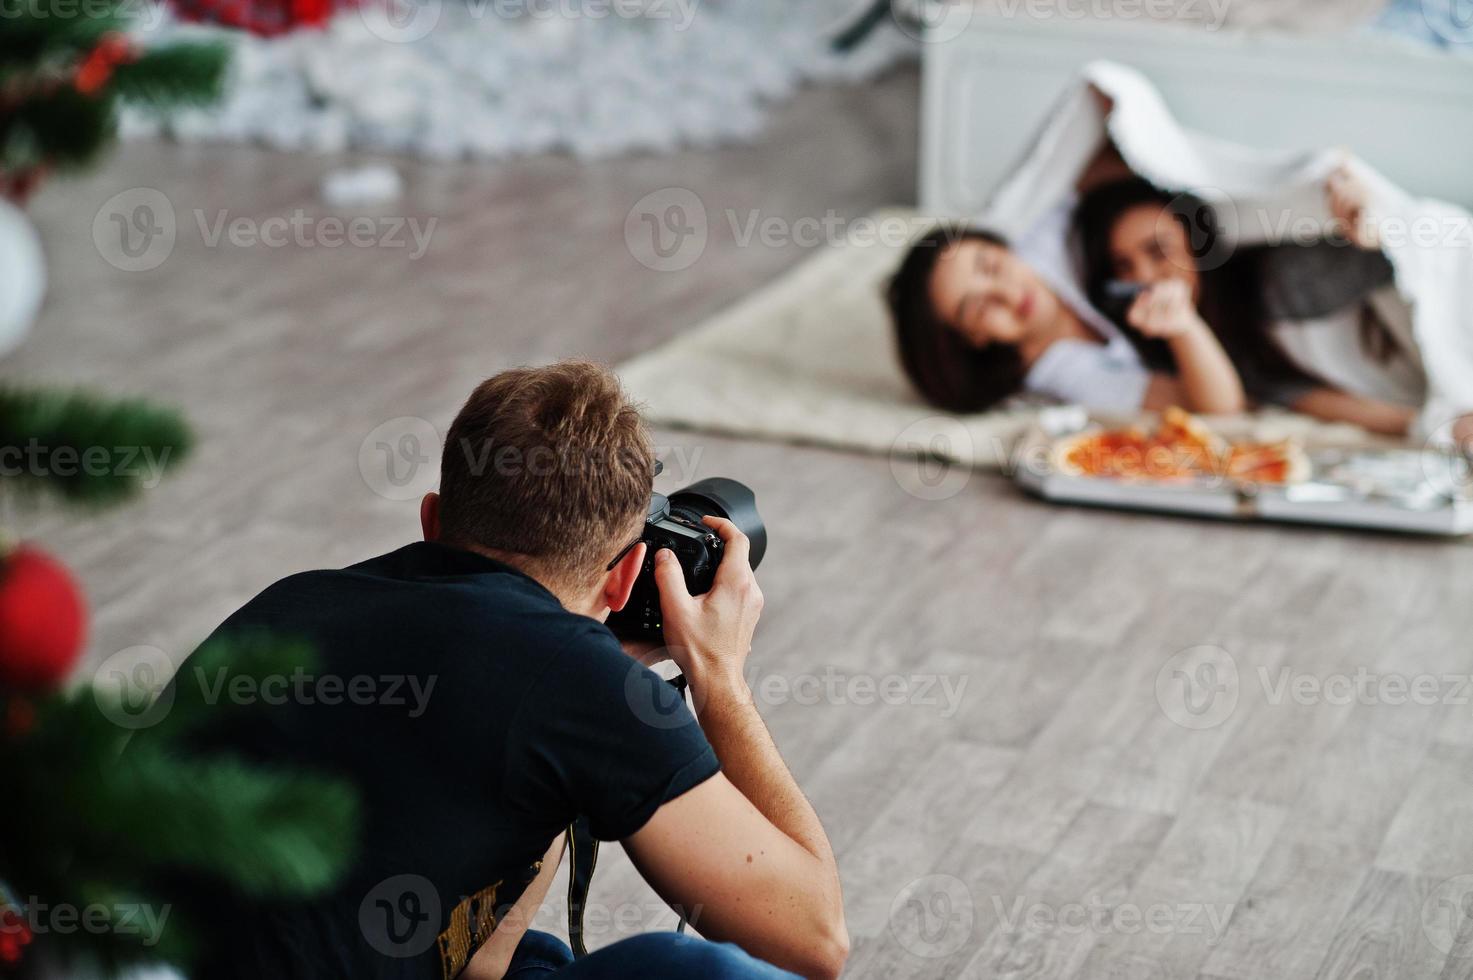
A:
[1463,434]
[1349,200]
[1334,405]
[1165,310]
[1206,379]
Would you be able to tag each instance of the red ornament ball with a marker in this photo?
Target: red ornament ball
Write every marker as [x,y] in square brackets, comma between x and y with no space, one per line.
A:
[15,936]
[43,621]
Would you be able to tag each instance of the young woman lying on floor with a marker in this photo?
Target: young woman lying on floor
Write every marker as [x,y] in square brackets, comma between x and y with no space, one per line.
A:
[1300,323]
[978,319]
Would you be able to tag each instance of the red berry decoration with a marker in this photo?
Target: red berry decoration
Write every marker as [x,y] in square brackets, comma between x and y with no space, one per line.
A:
[42,621]
[15,936]
[96,70]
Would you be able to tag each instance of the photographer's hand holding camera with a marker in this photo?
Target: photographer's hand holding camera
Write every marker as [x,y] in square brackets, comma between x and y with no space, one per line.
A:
[710,635]
[538,717]
[745,844]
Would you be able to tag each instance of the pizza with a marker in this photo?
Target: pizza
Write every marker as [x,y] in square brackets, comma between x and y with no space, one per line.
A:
[1274,462]
[1181,448]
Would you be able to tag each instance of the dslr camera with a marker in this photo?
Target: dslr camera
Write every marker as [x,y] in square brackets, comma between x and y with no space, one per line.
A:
[675,522]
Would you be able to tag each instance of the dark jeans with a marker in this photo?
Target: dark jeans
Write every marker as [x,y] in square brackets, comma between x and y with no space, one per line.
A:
[651,956]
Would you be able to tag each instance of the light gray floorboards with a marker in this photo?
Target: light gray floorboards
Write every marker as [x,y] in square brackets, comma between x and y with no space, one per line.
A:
[1052,818]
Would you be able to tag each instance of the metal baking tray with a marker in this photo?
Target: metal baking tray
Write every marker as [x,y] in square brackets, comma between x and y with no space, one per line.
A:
[1417,491]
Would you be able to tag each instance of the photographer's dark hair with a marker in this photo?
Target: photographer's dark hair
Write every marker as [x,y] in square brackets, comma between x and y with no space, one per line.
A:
[946,368]
[1231,300]
[550,463]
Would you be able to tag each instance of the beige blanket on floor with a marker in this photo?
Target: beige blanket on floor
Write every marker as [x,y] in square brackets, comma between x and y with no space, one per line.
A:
[810,359]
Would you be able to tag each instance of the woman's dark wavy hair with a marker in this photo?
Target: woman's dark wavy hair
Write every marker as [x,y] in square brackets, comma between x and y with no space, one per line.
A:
[946,368]
[1231,299]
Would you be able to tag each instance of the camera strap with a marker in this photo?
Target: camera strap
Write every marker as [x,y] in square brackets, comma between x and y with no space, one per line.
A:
[582,856]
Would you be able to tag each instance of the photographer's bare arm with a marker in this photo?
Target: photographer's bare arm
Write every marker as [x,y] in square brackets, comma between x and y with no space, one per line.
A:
[743,853]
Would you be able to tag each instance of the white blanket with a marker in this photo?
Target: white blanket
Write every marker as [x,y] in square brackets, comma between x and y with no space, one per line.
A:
[1265,196]
[811,357]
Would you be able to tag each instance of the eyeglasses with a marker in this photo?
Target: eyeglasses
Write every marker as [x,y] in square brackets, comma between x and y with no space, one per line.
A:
[622,552]
[659,468]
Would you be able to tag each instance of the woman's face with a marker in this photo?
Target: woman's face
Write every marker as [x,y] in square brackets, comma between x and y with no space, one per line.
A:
[988,294]
[1149,245]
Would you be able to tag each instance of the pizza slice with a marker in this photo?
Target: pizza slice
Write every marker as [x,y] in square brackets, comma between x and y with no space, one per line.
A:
[1275,462]
[1195,447]
[1108,452]
[1181,448]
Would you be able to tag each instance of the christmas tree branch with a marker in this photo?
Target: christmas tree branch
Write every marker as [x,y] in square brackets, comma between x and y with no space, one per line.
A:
[170,796]
[195,698]
[181,74]
[139,812]
[267,832]
[59,126]
[64,67]
[42,31]
[86,448]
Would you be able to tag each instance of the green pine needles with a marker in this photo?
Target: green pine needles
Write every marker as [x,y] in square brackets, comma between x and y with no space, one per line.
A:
[121,808]
[66,66]
[116,806]
[86,448]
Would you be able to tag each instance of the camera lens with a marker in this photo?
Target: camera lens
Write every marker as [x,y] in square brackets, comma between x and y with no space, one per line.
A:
[720,497]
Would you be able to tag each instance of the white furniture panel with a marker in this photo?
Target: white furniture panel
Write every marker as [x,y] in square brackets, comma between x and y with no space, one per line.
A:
[1406,109]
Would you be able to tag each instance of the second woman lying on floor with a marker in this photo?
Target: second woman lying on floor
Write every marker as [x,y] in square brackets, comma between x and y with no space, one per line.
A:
[1315,327]
[979,319]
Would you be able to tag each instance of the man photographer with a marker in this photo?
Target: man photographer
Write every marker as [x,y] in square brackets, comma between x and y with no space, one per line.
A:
[535,719]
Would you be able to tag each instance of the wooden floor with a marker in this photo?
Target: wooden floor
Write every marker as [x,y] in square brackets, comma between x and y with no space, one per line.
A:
[1036,803]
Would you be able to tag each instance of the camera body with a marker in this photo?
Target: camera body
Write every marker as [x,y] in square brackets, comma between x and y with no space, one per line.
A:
[676,522]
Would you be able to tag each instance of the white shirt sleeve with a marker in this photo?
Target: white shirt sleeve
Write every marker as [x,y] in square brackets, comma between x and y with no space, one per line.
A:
[1108,377]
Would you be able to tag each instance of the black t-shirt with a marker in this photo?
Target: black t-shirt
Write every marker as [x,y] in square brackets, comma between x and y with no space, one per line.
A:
[477,718]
